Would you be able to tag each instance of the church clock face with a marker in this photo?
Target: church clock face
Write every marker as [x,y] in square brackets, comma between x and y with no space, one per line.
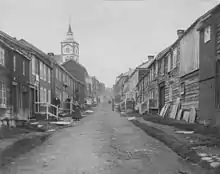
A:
[67,49]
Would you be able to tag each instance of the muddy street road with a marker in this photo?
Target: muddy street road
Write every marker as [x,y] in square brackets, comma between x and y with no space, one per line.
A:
[103,143]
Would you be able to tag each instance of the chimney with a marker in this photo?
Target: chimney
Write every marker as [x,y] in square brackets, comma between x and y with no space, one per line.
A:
[150,57]
[50,54]
[180,33]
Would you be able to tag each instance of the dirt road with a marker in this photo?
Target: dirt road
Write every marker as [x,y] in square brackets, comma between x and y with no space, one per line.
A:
[102,143]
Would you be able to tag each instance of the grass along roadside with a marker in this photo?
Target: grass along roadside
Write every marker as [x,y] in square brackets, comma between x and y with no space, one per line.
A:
[182,149]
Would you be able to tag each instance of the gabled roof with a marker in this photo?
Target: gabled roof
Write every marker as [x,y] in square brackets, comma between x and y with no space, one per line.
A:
[208,14]
[57,58]
[77,70]
[63,64]
[162,53]
[40,54]
[13,44]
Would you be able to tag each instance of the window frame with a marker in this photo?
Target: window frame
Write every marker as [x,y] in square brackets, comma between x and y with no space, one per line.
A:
[41,70]
[33,66]
[3,94]
[2,56]
[209,30]
[23,68]
[14,63]
[41,94]
[45,72]
[175,53]
[48,75]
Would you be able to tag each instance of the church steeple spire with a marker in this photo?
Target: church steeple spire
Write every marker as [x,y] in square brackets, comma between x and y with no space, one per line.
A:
[69,34]
[70,30]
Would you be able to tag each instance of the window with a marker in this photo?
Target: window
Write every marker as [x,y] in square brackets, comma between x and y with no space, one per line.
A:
[3,97]
[162,66]
[60,76]
[182,88]
[154,70]
[64,77]
[14,63]
[64,96]
[2,56]
[45,95]
[49,96]
[33,65]
[174,57]
[169,63]
[41,70]
[23,67]
[41,94]
[48,75]
[57,74]
[45,72]
[36,66]
[207,34]
[165,64]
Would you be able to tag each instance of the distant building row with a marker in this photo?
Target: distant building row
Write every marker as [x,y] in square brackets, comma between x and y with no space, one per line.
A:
[184,76]
[29,77]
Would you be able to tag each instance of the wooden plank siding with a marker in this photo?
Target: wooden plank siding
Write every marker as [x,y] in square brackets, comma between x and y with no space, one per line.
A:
[190,96]
[189,66]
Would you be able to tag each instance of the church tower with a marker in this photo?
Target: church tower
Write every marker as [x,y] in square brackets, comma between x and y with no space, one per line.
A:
[69,47]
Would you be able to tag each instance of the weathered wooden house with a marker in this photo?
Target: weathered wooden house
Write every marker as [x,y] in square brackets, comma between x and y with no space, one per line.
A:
[64,84]
[209,67]
[189,67]
[141,83]
[14,91]
[41,71]
[80,73]
[151,87]
[162,77]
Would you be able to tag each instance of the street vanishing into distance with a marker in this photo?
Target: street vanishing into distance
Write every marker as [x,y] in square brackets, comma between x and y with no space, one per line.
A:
[103,143]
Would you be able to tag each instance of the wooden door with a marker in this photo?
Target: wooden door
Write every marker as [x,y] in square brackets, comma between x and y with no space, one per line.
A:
[32,100]
[161,97]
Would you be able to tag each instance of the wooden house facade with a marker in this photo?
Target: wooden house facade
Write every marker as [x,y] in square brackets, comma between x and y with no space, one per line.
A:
[209,67]
[15,78]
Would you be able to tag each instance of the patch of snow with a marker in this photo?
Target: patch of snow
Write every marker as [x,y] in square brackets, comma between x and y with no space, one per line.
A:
[51,130]
[206,158]
[89,111]
[131,118]
[215,164]
[185,132]
[61,123]
[34,123]
[202,154]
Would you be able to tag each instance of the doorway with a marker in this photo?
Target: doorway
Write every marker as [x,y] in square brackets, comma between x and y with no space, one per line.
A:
[15,99]
[32,100]
[161,96]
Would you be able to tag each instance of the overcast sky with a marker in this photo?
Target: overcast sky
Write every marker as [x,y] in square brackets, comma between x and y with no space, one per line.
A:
[113,35]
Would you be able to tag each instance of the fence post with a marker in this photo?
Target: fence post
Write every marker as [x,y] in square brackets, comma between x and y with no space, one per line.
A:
[57,111]
[71,107]
[47,110]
